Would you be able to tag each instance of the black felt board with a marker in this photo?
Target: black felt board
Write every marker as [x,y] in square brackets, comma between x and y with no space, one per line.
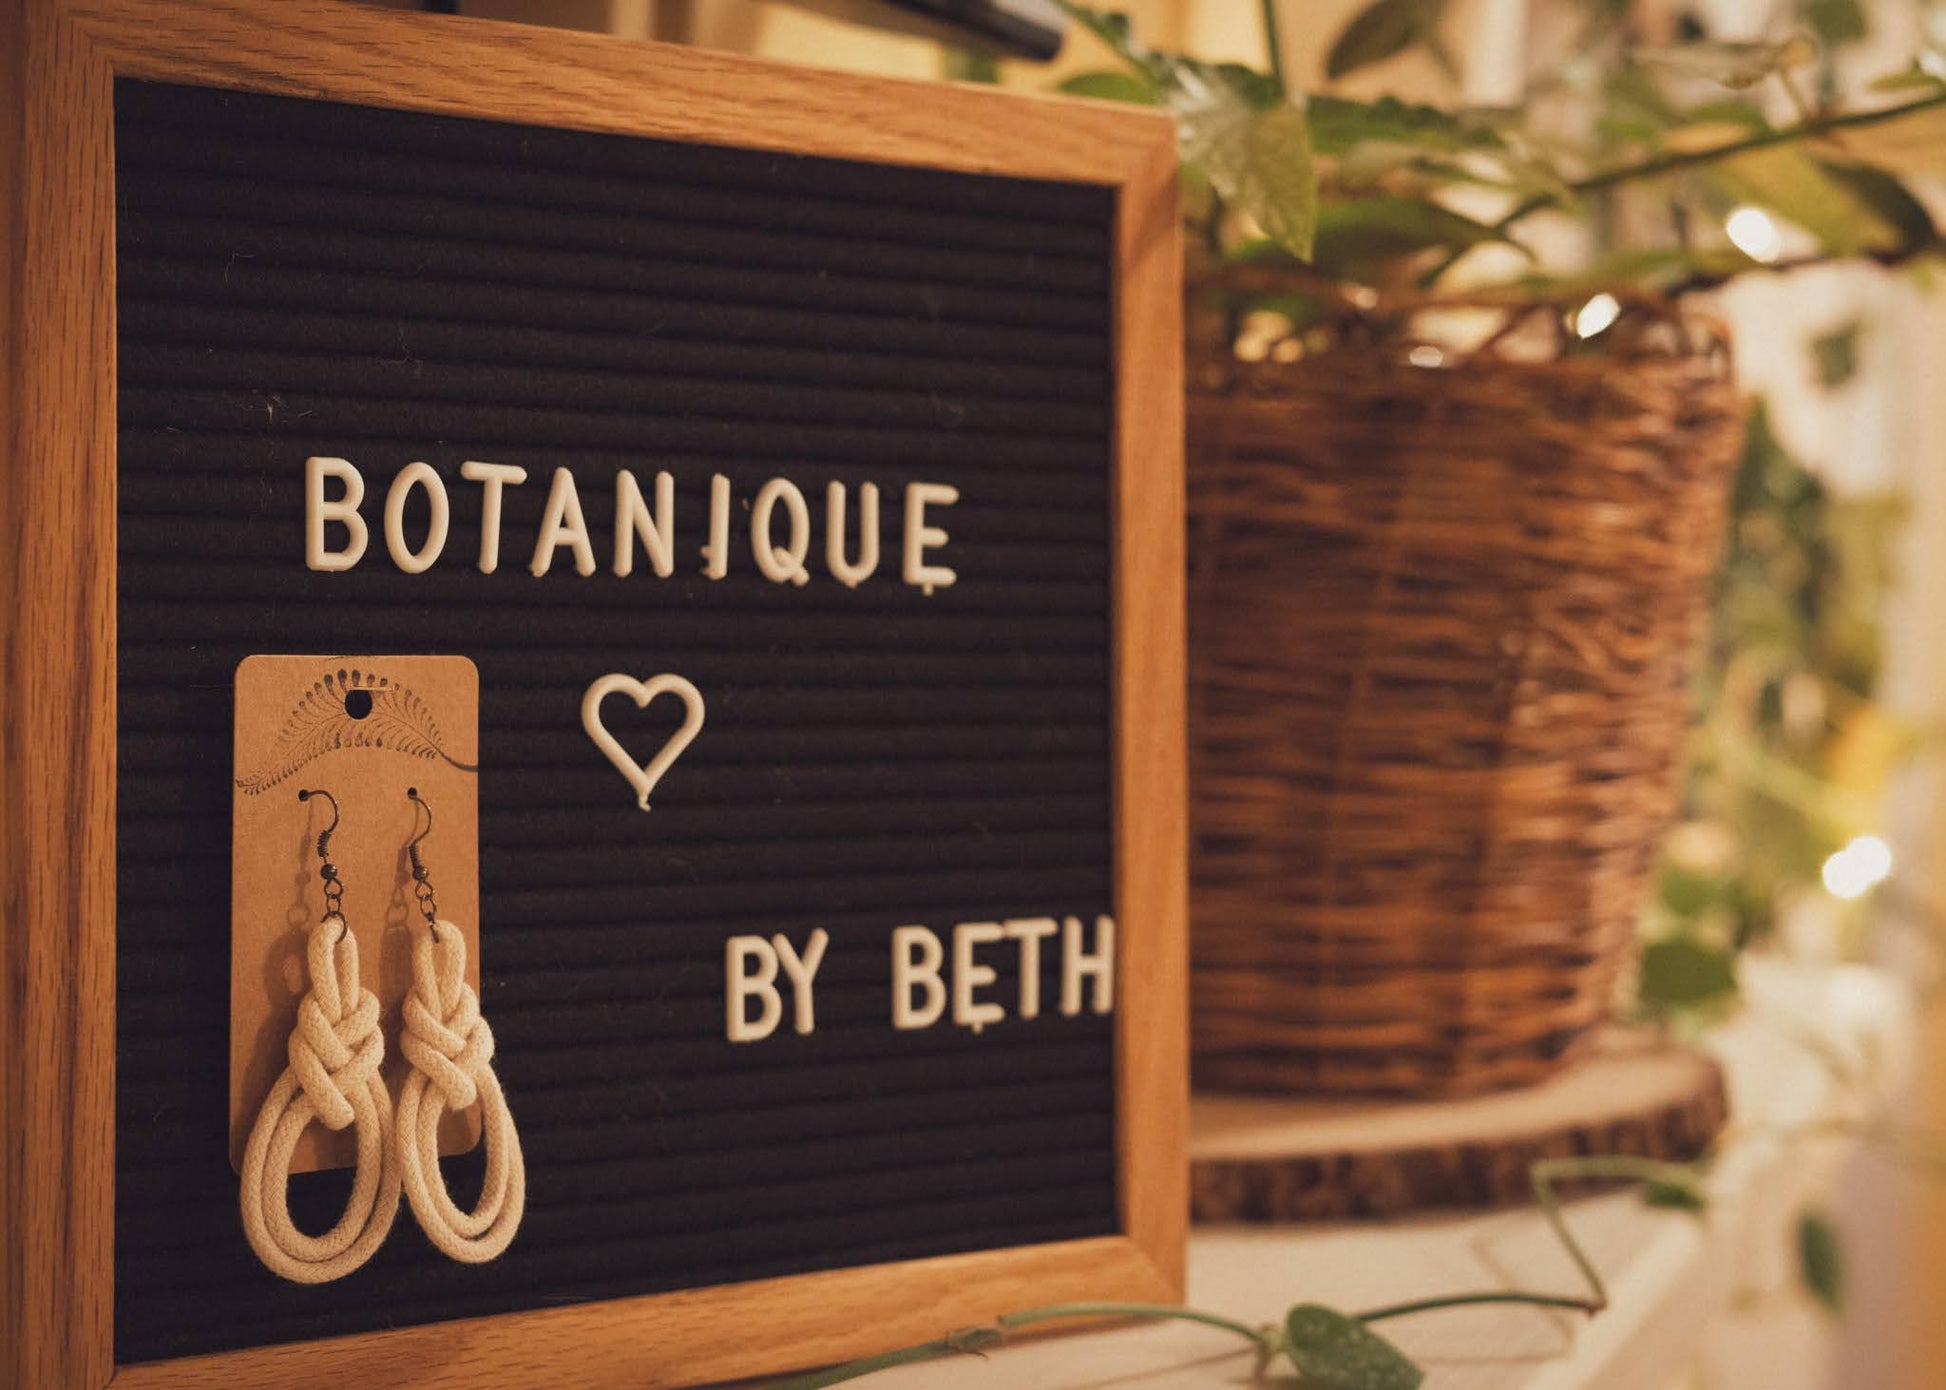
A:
[299,278]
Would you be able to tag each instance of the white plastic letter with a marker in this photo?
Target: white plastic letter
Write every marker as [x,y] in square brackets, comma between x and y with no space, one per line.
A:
[642,776]
[968,976]
[493,478]
[781,564]
[1030,932]
[738,951]
[842,570]
[716,553]
[563,525]
[920,537]
[923,971]
[420,475]
[632,519]
[318,511]
[1076,964]
[802,970]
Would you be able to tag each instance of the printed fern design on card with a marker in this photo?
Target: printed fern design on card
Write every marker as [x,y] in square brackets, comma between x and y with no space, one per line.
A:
[352,709]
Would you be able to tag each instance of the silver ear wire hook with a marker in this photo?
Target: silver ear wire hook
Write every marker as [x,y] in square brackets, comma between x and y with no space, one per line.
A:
[422,879]
[324,839]
[334,888]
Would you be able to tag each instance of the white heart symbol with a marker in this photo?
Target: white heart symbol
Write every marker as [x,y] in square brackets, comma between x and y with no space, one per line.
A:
[642,776]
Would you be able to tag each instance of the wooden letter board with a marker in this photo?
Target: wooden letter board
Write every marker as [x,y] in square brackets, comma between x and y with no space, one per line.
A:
[243,234]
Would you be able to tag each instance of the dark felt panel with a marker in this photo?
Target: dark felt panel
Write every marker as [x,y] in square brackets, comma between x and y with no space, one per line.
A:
[301,278]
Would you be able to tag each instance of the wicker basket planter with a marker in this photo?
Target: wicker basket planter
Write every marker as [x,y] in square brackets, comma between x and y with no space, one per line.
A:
[1441,627]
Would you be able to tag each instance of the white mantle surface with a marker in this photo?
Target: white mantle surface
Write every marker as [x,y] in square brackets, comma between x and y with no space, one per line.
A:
[1809,1049]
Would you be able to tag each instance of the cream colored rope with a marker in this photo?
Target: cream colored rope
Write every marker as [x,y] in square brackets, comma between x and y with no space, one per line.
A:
[333,1077]
[451,1051]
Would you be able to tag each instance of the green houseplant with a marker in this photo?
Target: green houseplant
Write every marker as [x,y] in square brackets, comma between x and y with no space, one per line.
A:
[1349,197]
[1462,434]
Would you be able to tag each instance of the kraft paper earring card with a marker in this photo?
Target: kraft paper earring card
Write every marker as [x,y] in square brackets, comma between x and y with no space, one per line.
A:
[366,729]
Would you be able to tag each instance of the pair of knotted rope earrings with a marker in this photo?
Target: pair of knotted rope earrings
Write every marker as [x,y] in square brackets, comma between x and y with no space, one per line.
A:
[333,1078]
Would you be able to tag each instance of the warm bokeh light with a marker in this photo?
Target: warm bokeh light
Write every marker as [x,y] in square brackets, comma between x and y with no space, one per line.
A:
[1859,867]
[1752,232]
[1597,315]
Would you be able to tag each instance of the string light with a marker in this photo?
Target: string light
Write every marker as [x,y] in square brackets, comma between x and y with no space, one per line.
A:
[1752,232]
[1597,315]
[1857,868]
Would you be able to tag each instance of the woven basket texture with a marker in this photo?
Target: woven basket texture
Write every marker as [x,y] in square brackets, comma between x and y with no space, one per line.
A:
[1442,624]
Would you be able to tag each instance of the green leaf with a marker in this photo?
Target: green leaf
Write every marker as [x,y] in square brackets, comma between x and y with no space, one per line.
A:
[1261,90]
[1835,21]
[1889,199]
[1109,85]
[1338,125]
[965,65]
[1118,35]
[1111,27]
[1193,83]
[1911,144]
[1233,124]
[1916,78]
[1789,182]
[1633,106]
[1335,1352]
[1255,158]
[1674,1196]
[1678,971]
[1835,355]
[1733,64]
[1382,30]
[1237,136]
[1689,894]
[1654,269]
[1821,1260]
[1280,186]
[1364,238]
[1733,111]
[1258,251]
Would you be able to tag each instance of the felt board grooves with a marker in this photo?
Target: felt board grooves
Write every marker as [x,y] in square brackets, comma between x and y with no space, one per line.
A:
[329,329]
[298,278]
[278,244]
[269,196]
[155,285]
[265,157]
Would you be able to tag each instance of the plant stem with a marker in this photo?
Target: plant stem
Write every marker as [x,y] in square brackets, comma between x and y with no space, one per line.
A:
[1056,1311]
[1783,135]
[1269,1341]
[1549,1171]
[1890,259]
[979,1339]
[1465,1300]
[1677,160]
[971,1340]
[1273,41]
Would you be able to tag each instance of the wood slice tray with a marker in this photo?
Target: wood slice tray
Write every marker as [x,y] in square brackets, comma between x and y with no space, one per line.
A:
[1273,1158]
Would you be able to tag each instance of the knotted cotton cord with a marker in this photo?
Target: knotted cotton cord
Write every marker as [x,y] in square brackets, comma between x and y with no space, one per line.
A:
[333,1077]
[451,1051]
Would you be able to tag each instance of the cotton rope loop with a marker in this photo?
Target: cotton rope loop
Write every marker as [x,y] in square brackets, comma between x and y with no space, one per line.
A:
[451,1051]
[333,1078]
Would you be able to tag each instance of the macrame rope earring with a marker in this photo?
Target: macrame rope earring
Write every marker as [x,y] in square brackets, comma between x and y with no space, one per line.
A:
[450,1048]
[333,1078]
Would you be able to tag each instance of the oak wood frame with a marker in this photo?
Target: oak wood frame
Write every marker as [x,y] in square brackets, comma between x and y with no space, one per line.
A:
[58,59]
